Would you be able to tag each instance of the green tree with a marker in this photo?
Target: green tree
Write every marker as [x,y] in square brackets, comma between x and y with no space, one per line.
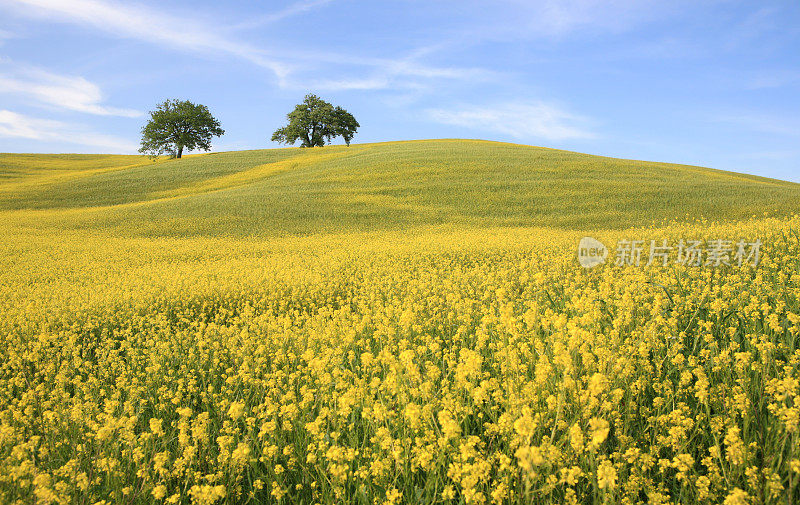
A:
[316,121]
[176,125]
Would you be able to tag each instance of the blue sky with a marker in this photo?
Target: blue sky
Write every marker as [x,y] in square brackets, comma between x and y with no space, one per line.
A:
[706,83]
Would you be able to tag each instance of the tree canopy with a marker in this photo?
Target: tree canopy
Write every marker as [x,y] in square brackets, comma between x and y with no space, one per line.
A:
[178,125]
[316,121]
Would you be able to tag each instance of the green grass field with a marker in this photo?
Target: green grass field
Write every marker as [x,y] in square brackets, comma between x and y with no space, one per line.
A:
[402,322]
[367,187]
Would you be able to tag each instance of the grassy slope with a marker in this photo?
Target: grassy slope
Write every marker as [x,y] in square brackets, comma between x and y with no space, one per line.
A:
[372,186]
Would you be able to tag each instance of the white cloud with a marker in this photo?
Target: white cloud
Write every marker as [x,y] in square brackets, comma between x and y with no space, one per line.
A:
[554,17]
[291,10]
[401,73]
[405,72]
[503,20]
[66,92]
[15,125]
[149,25]
[519,120]
[294,70]
[366,83]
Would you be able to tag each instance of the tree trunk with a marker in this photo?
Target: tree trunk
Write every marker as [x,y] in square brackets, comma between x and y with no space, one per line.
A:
[180,151]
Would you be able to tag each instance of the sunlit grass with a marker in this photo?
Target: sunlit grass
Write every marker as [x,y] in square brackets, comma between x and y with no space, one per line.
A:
[393,186]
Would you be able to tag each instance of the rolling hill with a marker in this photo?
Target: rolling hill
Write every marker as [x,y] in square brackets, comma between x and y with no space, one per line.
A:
[383,186]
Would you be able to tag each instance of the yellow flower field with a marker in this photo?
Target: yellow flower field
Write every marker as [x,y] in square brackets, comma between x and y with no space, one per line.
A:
[445,368]
[435,364]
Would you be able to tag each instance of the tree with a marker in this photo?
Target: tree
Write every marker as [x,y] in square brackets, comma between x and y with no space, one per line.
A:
[176,125]
[315,121]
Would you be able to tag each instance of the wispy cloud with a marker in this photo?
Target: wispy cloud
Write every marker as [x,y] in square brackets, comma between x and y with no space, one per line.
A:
[506,20]
[149,25]
[294,70]
[553,19]
[561,16]
[403,72]
[519,120]
[65,92]
[398,74]
[273,17]
[15,125]
[357,83]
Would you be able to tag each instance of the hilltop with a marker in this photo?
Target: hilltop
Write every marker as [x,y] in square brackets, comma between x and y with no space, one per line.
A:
[382,186]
